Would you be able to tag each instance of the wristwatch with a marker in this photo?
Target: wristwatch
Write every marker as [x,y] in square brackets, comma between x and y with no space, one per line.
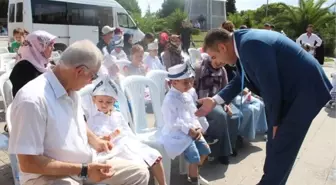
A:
[84,172]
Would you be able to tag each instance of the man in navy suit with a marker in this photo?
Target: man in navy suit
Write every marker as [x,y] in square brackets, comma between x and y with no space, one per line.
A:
[291,82]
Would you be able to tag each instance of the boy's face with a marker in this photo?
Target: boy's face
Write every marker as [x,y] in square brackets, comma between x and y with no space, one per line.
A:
[18,37]
[137,57]
[104,103]
[153,53]
[183,85]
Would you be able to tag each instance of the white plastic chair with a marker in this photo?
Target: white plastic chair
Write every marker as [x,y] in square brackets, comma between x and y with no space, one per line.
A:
[6,89]
[12,157]
[4,58]
[3,50]
[134,87]
[159,78]
[195,55]
[121,64]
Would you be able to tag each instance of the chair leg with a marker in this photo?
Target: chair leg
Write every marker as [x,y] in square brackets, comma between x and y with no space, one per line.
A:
[15,168]
[183,165]
[166,161]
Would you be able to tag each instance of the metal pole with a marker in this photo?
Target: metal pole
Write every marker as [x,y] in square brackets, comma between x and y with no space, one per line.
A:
[267,8]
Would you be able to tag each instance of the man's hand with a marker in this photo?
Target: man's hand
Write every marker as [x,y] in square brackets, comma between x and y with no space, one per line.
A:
[199,134]
[207,105]
[195,133]
[228,110]
[102,145]
[99,172]
[275,129]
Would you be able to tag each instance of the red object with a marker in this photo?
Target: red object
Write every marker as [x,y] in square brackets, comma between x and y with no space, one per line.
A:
[164,38]
[117,31]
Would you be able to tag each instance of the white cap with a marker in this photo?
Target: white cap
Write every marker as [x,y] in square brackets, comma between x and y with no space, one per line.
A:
[180,72]
[107,30]
[105,87]
[154,45]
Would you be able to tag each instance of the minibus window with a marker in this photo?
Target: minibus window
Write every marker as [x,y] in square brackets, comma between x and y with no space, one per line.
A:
[11,13]
[19,12]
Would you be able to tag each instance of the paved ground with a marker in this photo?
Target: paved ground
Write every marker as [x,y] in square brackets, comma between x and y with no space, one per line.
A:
[315,165]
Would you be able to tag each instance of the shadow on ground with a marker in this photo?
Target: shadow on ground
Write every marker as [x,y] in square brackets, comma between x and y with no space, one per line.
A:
[6,177]
[331,112]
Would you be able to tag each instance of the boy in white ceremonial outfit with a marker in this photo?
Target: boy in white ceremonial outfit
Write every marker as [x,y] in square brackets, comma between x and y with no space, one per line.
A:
[152,61]
[110,124]
[182,132]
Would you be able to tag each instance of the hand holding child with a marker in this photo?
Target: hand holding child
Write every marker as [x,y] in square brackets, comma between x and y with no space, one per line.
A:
[195,133]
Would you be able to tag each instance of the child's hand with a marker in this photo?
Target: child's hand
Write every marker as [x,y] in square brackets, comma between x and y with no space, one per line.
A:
[199,134]
[193,133]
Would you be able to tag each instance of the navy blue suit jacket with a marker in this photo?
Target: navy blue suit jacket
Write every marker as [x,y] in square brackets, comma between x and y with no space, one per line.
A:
[291,81]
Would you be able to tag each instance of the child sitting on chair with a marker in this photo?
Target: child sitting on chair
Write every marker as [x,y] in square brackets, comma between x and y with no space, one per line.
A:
[118,51]
[136,67]
[152,61]
[182,132]
[105,122]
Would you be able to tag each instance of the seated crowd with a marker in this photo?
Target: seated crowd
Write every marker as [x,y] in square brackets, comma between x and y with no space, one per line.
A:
[67,141]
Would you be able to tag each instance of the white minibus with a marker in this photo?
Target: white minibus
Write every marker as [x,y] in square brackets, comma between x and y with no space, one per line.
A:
[70,20]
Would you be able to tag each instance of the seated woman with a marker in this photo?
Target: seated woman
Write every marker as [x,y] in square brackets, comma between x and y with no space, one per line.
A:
[110,124]
[136,67]
[223,121]
[173,53]
[253,109]
[152,61]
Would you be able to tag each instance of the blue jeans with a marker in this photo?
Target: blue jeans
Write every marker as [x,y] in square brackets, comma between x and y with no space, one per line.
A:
[195,150]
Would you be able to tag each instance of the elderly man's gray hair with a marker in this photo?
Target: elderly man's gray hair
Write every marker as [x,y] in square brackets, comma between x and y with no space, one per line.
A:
[82,52]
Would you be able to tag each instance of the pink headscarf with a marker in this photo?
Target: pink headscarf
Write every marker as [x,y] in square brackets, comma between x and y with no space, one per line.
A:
[33,49]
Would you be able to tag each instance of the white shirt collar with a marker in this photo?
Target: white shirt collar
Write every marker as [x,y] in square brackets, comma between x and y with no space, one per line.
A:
[55,84]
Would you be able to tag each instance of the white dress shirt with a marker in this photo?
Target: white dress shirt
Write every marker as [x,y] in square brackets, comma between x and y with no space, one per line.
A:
[178,110]
[153,63]
[47,121]
[304,38]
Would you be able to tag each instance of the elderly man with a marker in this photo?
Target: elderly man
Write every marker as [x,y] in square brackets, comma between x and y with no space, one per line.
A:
[104,42]
[273,66]
[49,134]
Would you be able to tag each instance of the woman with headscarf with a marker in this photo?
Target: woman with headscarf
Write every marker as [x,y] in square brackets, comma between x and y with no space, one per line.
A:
[128,38]
[173,53]
[34,56]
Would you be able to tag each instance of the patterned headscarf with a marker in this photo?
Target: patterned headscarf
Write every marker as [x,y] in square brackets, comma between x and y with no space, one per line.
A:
[33,49]
[174,45]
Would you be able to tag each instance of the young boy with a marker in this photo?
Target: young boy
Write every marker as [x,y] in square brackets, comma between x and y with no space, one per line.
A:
[107,123]
[182,132]
[118,51]
[136,67]
[18,34]
[152,61]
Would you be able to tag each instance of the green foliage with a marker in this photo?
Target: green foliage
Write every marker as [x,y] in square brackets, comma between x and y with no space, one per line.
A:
[231,6]
[131,6]
[169,6]
[150,23]
[196,31]
[175,19]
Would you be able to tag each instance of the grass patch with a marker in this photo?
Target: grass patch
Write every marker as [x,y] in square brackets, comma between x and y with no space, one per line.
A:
[198,39]
[328,59]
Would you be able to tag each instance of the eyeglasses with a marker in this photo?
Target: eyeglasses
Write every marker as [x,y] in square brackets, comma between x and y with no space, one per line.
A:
[93,75]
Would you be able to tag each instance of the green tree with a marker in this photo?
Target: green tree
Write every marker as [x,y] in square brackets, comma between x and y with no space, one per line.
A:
[175,19]
[308,12]
[231,6]
[169,6]
[237,19]
[131,6]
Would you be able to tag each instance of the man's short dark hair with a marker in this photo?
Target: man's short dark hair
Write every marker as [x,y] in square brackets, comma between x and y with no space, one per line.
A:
[310,25]
[272,26]
[215,36]
[243,27]
[267,24]
[149,36]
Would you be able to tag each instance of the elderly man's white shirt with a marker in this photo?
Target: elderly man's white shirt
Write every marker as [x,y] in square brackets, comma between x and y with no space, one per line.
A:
[47,121]
[178,110]
[154,63]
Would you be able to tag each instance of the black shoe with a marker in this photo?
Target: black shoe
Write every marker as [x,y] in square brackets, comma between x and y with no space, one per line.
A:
[239,142]
[224,160]
[234,152]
